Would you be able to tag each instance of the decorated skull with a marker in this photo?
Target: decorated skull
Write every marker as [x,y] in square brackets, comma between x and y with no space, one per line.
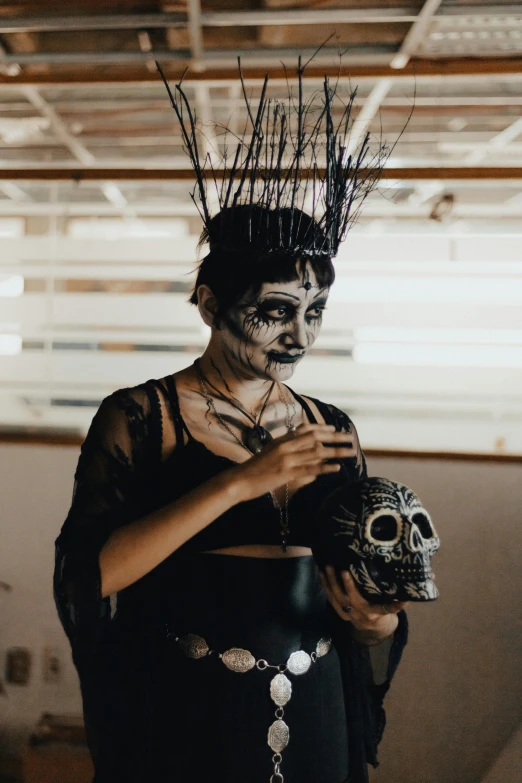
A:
[379,531]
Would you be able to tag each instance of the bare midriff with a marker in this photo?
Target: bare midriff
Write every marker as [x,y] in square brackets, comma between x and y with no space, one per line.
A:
[261,550]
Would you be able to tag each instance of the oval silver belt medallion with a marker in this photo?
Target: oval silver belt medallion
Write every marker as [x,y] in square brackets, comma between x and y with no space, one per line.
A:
[278,736]
[238,660]
[323,646]
[193,646]
[280,690]
[299,662]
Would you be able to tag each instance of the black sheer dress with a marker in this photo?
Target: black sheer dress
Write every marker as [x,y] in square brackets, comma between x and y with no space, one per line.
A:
[151,713]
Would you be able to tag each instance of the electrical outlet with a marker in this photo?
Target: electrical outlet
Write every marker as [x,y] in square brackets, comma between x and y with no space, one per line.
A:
[51,664]
[18,665]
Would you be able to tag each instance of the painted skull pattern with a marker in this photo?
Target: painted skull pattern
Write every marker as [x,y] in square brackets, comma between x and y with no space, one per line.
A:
[379,531]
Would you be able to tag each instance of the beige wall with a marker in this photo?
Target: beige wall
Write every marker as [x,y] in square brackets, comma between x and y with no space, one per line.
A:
[508,765]
[457,696]
[36,487]
[456,699]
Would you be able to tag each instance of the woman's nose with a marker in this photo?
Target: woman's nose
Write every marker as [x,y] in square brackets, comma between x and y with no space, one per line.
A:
[298,332]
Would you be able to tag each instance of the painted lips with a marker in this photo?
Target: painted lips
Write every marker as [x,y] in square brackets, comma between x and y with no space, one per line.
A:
[285,358]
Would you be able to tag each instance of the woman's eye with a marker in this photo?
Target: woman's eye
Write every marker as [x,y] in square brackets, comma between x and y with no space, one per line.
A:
[280,311]
[316,312]
[276,310]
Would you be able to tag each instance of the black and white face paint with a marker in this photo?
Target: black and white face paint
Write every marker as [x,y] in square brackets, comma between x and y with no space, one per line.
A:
[379,531]
[267,335]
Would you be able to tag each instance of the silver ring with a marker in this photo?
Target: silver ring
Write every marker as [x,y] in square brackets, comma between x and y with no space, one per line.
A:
[347,609]
[385,611]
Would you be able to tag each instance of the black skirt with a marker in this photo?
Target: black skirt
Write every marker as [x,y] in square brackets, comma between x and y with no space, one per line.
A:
[208,723]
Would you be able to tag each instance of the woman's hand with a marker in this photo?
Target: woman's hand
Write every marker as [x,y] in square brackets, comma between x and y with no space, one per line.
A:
[371,622]
[296,458]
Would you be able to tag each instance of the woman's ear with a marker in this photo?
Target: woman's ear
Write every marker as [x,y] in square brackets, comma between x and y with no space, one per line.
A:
[207,304]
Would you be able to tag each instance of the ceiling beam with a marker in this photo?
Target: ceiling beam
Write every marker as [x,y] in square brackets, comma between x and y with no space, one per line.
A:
[508,135]
[425,191]
[146,46]
[265,57]
[78,22]
[418,68]
[15,193]
[111,192]
[101,174]
[367,113]
[415,34]
[8,69]
[196,35]
[116,105]
[511,208]
[58,126]
[500,140]
[246,18]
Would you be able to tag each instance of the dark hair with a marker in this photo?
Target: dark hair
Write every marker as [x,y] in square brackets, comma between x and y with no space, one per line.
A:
[241,259]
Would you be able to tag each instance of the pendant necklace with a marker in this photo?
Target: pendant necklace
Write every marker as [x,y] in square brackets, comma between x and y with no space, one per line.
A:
[254,443]
[254,438]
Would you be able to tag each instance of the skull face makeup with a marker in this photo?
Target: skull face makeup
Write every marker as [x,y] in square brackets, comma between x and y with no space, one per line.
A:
[268,334]
[378,530]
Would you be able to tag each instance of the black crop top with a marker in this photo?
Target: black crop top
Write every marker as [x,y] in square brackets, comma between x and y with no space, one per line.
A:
[254,521]
[125,472]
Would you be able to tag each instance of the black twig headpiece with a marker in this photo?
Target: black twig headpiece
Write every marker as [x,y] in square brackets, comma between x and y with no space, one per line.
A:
[297,166]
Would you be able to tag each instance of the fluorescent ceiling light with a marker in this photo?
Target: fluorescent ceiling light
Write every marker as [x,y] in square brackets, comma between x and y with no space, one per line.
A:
[12,226]
[461,290]
[379,334]
[401,355]
[10,344]
[117,228]
[11,285]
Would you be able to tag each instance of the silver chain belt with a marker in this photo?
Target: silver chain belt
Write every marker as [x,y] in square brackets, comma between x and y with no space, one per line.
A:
[239,660]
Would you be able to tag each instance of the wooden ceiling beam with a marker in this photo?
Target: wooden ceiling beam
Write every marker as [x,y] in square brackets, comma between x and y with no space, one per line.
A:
[118,74]
[97,174]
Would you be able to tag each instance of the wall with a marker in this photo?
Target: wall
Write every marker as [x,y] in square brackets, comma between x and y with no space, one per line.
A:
[456,699]
[36,491]
[457,696]
[508,764]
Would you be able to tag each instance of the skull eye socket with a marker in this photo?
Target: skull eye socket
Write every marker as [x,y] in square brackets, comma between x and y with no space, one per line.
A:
[423,522]
[384,528]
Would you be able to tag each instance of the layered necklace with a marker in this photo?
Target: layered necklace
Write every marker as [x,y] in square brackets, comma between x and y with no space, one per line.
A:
[254,438]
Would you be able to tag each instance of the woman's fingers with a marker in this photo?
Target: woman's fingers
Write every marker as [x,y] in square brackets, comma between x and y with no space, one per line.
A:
[354,596]
[337,599]
[394,607]
[299,456]
[320,444]
[340,595]
[356,599]
[307,435]
[318,455]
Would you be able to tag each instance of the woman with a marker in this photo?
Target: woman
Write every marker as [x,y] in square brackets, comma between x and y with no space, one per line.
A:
[208,645]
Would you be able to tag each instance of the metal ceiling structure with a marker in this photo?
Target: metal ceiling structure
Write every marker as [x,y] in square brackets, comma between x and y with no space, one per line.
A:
[205,34]
[81,91]
[94,186]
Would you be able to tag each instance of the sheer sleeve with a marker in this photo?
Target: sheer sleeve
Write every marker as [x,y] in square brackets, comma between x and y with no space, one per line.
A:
[354,467]
[104,498]
[367,672]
